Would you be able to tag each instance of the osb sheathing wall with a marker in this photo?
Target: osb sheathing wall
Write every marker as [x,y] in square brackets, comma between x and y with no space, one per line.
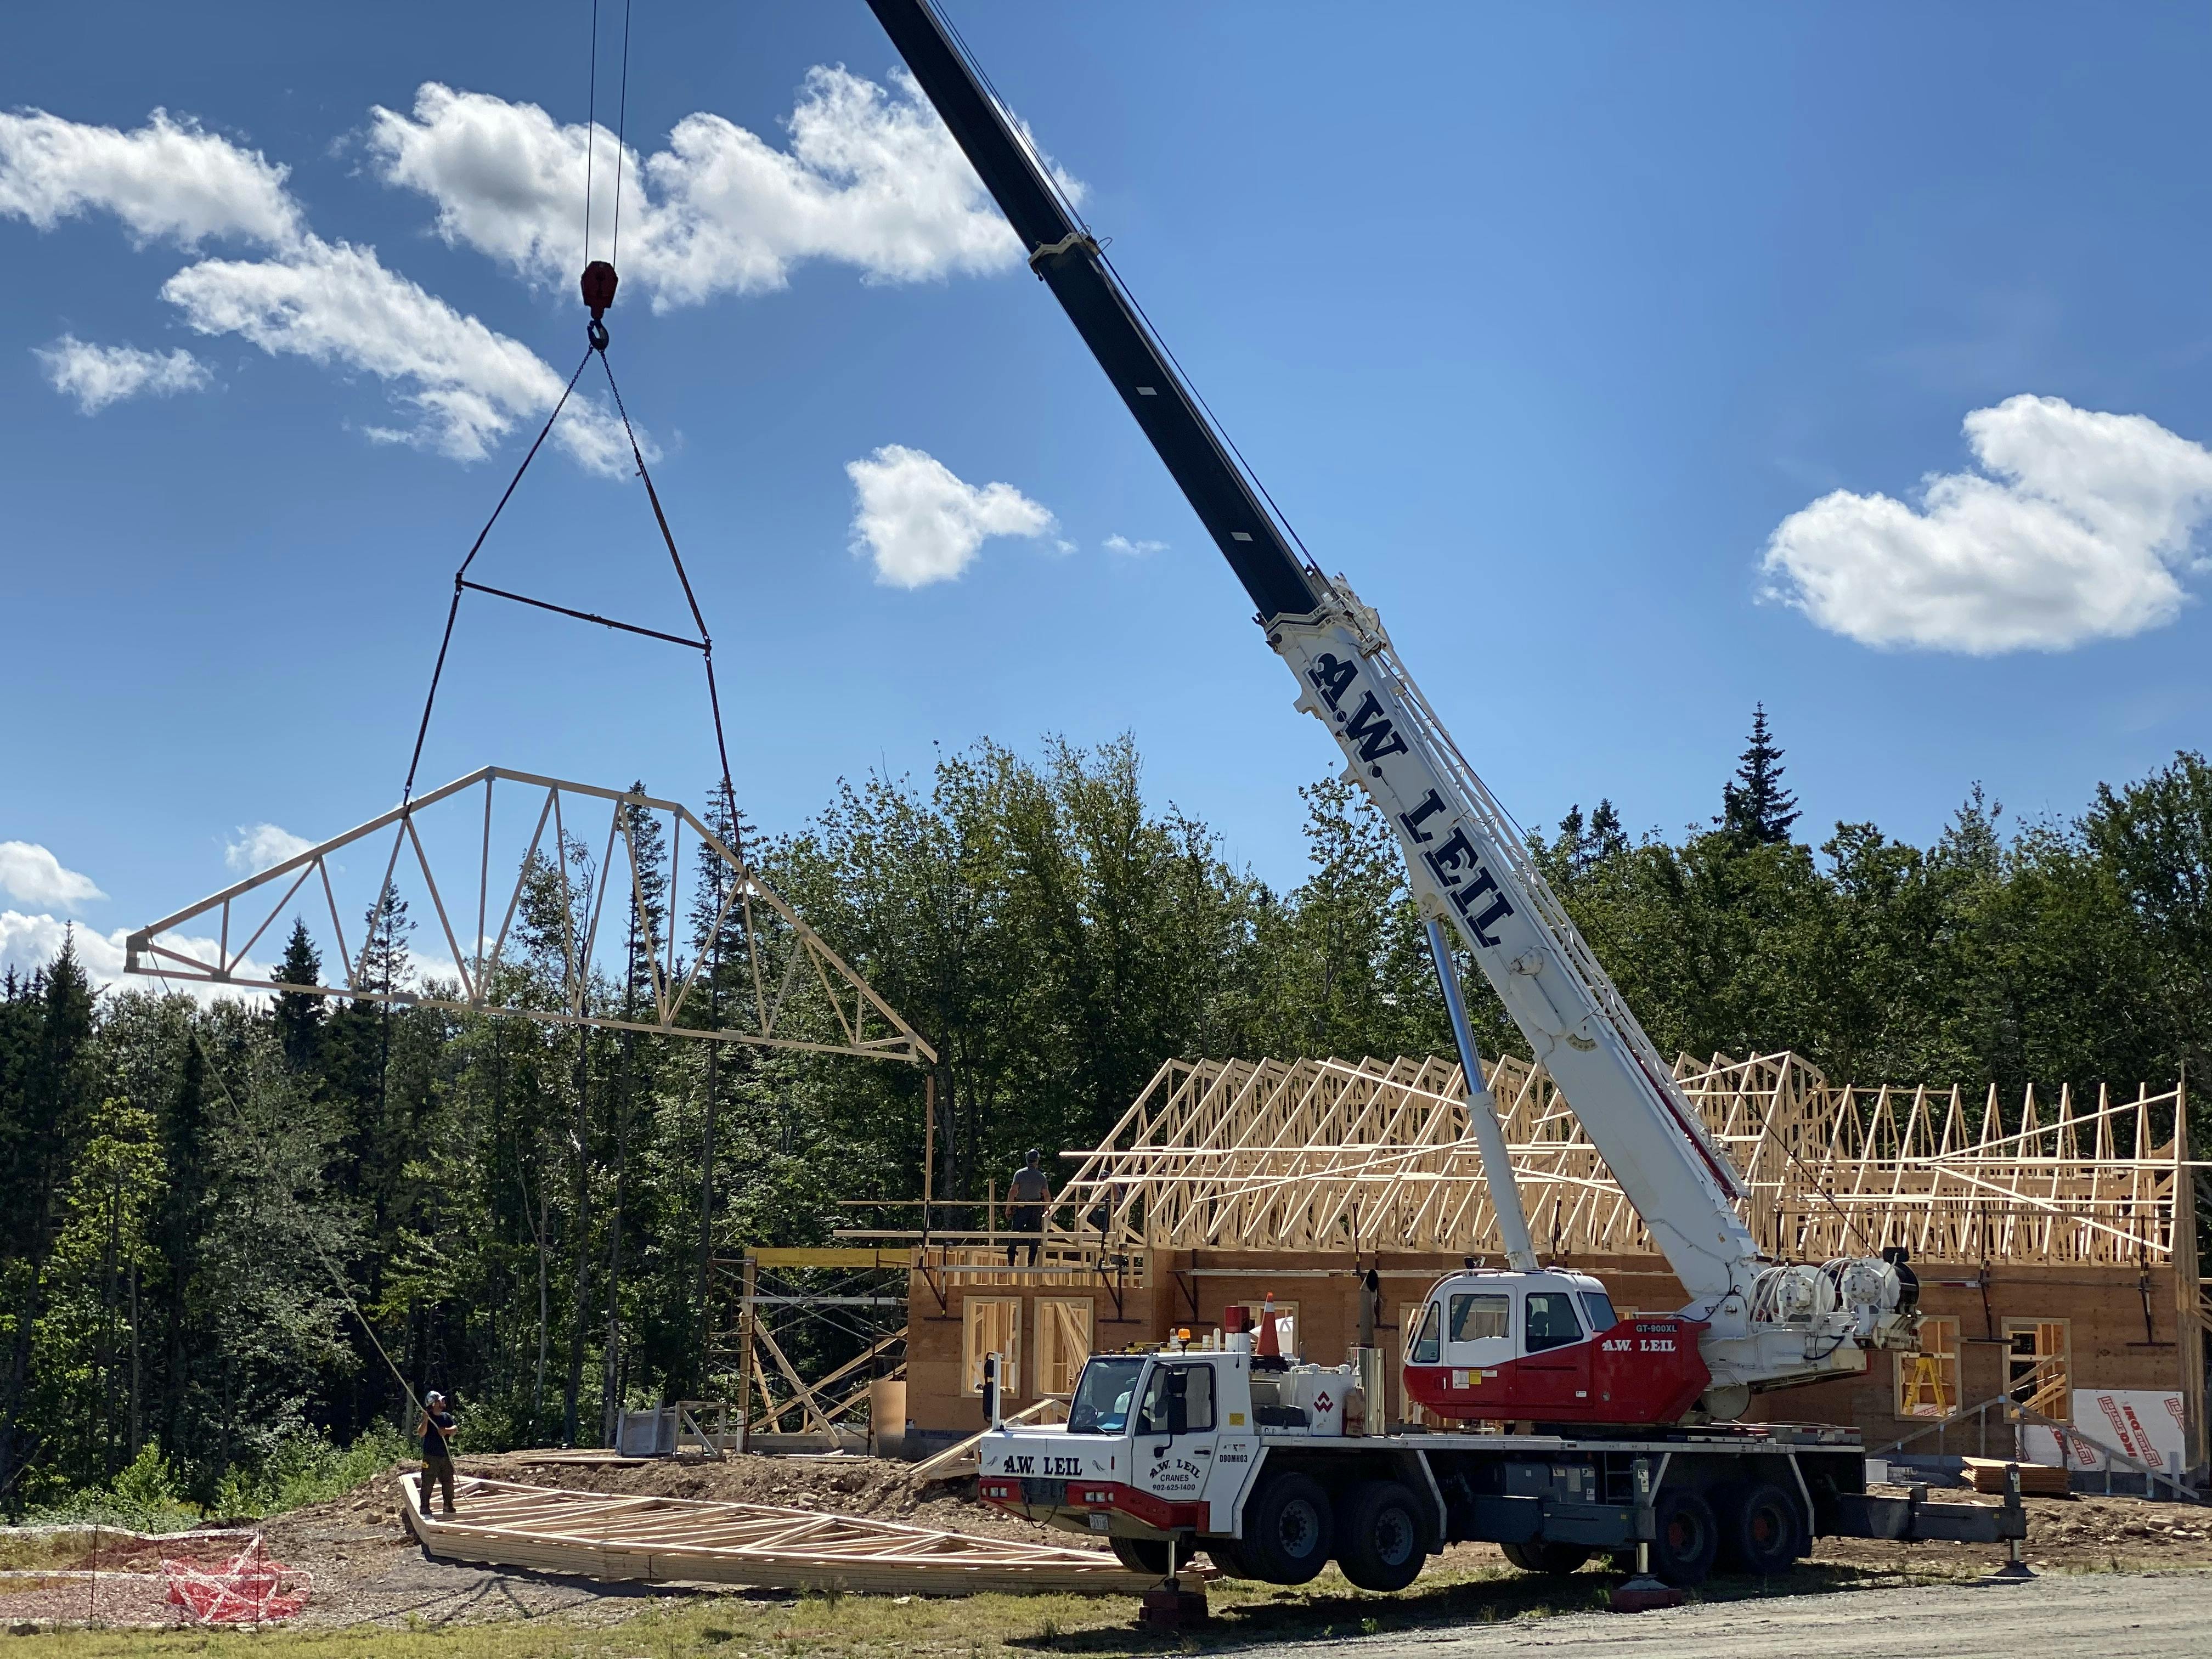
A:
[1227,1179]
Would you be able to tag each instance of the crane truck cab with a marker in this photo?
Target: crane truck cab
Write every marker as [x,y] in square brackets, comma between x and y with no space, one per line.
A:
[1547,1347]
[1161,1454]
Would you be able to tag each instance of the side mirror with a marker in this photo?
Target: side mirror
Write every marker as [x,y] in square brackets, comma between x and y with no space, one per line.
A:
[1178,1402]
[991,1390]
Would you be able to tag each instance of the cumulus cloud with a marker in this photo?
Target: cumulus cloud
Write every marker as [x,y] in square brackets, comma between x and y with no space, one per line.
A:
[336,305]
[333,303]
[29,872]
[2077,527]
[1130,549]
[98,375]
[871,179]
[28,943]
[921,524]
[165,179]
[259,846]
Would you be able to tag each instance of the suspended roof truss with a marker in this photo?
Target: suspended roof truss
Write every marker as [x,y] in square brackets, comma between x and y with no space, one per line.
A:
[512,875]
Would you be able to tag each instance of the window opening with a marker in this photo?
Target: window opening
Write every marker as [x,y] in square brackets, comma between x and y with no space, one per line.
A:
[1550,1320]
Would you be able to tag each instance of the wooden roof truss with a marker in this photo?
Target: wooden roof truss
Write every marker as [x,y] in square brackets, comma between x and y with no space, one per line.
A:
[1334,1155]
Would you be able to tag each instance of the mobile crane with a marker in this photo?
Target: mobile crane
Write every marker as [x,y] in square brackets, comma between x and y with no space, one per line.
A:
[1271,1466]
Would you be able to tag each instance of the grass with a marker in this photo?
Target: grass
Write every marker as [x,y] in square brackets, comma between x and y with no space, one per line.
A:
[832,1625]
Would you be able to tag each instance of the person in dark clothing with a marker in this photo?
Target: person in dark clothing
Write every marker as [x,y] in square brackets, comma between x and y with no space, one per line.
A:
[437,1430]
[1027,1193]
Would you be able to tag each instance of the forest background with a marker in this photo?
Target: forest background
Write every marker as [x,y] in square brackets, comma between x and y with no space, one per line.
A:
[524,1219]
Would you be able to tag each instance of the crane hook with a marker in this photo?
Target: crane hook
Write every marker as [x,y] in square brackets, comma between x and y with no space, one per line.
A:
[599,283]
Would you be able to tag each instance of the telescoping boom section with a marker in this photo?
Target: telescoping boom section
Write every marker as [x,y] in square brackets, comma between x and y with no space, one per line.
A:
[1754,1324]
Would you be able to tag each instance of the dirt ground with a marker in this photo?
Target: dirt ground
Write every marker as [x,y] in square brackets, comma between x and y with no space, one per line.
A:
[367,1570]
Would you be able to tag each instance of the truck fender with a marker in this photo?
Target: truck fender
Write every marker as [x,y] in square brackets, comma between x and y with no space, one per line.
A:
[1244,1492]
[1421,1480]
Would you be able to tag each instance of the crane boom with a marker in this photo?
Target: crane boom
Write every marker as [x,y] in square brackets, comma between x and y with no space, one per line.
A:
[1469,865]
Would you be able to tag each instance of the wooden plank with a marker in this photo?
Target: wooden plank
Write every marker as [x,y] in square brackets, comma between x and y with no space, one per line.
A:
[832,1256]
[549,1529]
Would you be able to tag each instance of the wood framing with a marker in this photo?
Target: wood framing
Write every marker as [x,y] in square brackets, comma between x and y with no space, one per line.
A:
[1334,1154]
[797,994]
[602,1536]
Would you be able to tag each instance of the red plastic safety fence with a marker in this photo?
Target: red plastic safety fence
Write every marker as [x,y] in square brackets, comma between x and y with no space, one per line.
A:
[249,1588]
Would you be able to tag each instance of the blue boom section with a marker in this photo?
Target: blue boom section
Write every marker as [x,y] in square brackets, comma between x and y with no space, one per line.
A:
[1064,255]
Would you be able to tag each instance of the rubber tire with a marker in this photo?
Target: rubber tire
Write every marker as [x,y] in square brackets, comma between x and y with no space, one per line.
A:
[1682,1554]
[1145,1555]
[1558,1559]
[1378,1539]
[1289,1530]
[1228,1557]
[1762,1530]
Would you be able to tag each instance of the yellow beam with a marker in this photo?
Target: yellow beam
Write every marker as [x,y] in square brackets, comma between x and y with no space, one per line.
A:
[831,1256]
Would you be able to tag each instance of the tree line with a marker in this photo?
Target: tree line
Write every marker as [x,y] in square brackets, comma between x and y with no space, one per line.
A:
[227,1225]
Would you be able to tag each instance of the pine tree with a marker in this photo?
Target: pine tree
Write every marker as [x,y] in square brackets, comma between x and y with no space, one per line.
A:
[1755,809]
[297,1016]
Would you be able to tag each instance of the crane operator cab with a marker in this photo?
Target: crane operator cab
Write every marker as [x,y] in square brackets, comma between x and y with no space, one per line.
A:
[1547,1347]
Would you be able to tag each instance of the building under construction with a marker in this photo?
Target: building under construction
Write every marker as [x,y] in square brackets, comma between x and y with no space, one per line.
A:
[2054,1238]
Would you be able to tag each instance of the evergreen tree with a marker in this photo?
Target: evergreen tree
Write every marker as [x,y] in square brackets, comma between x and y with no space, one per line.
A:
[1756,811]
[297,1016]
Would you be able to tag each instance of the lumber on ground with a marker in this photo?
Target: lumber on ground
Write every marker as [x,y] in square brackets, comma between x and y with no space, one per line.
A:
[604,1536]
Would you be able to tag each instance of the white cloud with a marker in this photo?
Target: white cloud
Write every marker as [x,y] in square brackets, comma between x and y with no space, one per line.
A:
[1128,548]
[333,303]
[2074,528]
[336,305]
[29,872]
[871,179]
[28,943]
[259,846]
[922,524]
[98,375]
[167,178]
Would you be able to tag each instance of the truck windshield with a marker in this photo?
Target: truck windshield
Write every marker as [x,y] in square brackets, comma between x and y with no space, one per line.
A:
[1102,1397]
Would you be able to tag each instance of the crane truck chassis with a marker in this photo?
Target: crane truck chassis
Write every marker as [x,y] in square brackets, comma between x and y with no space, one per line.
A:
[1263,1464]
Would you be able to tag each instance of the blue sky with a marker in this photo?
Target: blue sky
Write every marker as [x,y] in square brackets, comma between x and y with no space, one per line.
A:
[1556,329]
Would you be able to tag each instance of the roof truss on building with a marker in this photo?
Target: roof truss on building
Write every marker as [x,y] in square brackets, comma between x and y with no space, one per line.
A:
[510,875]
[1334,1154]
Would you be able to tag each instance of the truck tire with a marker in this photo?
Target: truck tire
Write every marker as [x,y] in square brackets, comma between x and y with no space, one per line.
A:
[1147,1555]
[1288,1530]
[1557,1559]
[1378,1539]
[1682,1554]
[1227,1557]
[1762,1530]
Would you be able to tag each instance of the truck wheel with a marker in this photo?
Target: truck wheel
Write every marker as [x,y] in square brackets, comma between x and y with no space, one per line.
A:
[1762,1530]
[1557,1559]
[1145,1555]
[1227,1557]
[1379,1538]
[1288,1528]
[1682,1554]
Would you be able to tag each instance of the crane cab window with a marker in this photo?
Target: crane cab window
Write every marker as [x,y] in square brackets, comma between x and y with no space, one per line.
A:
[1483,1315]
[1597,1307]
[1422,1350]
[1550,1320]
[1197,1387]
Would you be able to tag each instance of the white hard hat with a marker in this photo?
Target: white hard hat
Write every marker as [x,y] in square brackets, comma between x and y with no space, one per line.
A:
[434,1398]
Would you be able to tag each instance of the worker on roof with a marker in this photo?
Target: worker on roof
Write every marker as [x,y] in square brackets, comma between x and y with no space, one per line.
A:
[1027,1194]
[437,1430]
